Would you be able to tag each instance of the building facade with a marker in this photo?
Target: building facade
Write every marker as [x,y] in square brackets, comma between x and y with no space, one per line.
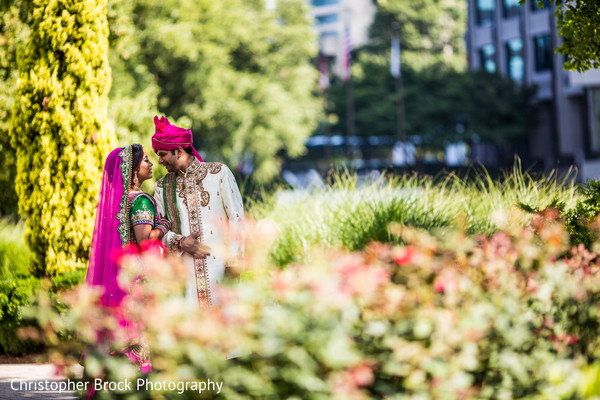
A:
[333,18]
[519,42]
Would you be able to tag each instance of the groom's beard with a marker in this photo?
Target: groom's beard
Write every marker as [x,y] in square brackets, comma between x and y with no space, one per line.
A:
[169,168]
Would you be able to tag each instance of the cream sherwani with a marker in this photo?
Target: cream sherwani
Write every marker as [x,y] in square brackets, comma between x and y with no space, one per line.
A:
[204,199]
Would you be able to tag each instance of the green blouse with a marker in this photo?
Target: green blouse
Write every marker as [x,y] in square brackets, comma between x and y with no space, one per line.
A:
[142,211]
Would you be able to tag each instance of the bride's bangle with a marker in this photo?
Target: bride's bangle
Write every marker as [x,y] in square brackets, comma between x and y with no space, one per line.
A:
[163,229]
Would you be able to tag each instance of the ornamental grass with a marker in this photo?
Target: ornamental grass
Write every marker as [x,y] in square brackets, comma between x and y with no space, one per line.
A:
[351,212]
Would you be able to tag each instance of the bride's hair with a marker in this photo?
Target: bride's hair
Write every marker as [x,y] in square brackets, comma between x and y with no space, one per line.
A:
[137,154]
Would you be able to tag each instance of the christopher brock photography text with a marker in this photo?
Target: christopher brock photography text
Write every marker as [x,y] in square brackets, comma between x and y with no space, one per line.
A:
[125,385]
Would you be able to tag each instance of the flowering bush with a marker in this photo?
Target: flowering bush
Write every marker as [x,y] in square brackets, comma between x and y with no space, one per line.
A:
[447,316]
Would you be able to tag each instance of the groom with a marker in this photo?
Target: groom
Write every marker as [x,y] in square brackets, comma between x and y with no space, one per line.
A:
[204,206]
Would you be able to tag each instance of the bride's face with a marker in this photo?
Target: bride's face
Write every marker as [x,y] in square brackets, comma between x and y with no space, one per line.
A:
[145,171]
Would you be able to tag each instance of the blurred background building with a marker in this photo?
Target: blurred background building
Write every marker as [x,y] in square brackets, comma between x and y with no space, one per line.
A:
[332,18]
[519,42]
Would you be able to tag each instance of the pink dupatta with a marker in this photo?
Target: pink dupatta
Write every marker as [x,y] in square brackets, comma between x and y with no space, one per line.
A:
[111,231]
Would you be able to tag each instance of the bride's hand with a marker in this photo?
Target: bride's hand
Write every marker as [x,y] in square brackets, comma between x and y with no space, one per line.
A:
[156,234]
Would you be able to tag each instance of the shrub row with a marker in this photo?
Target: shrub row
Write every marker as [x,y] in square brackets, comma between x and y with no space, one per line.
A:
[452,316]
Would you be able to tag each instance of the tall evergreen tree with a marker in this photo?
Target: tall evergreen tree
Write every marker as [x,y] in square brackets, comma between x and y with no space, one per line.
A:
[58,129]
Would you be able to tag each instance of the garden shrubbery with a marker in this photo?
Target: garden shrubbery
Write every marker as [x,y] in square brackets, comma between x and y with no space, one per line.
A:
[348,214]
[19,286]
[427,310]
[448,316]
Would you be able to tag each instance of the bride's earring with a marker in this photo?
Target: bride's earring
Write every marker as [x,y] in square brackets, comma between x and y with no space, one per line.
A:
[136,182]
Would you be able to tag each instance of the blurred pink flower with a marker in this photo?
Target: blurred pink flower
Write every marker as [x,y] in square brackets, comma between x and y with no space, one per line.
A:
[281,284]
[348,382]
[153,248]
[532,285]
[405,255]
[362,374]
[359,279]
[445,282]
[348,268]
[571,339]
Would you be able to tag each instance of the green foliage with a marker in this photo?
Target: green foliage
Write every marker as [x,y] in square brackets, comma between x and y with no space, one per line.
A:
[581,221]
[12,34]
[16,292]
[58,129]
[18,287]
[134,91]
[15,256]
[578,24]
[238,73]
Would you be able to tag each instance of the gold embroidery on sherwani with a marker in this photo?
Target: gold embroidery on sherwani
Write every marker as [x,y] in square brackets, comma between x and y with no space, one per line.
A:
[181,189]
[170,200]
[191,189]
[205,196]
[214,168]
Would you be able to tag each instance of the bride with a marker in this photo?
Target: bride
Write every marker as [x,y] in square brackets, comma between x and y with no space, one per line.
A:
[126,217]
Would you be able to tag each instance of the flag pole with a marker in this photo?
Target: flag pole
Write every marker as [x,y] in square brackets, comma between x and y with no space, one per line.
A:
[350,117]
[324,83]
[396,72]
[347,75]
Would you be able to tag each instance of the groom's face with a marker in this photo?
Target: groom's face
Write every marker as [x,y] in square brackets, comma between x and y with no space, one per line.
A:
[168,159]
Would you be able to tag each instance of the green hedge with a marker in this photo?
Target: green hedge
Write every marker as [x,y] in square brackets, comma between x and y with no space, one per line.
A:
[19,286]
[15,294]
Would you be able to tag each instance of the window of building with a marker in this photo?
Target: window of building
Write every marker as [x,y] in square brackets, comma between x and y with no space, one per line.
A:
[594,109]
[511,8]
[329,34]
[318,3]
[535,7]
[485,11]
[487,57]
[514,57]
[326,19]
[543,53]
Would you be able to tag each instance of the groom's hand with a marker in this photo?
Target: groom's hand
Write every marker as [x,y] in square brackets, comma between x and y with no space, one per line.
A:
[192,246]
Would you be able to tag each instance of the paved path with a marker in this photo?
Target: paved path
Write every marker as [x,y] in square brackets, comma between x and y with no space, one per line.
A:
[34,381]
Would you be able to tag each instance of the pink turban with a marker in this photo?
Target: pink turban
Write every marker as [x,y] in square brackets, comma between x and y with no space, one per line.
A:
[170,137]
